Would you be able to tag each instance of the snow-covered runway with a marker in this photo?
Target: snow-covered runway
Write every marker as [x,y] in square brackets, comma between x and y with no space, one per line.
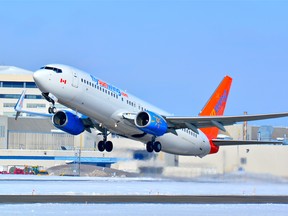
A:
[237,184]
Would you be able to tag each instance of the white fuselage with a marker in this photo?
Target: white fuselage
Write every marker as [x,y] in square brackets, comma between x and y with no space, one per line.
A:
[106,104]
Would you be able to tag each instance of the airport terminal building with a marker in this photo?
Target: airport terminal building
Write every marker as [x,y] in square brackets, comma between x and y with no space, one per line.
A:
[13,81]
[35,137]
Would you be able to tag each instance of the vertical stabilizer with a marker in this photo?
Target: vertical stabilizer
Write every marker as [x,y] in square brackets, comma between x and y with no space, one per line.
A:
[215,107]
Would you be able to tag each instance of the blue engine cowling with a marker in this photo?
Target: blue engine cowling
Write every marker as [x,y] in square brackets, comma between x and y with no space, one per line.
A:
[151,123]
[68,122]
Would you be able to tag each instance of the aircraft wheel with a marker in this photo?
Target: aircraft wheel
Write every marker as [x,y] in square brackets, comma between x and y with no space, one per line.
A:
[109,146]
[149,147]
[101,146]
[157,146]
[53,109]
[50,110]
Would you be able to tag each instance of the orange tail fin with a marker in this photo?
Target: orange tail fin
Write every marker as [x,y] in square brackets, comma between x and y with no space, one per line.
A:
[215,107]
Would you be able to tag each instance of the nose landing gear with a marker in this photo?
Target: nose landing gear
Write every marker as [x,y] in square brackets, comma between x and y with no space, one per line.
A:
[50,98]
[52,109]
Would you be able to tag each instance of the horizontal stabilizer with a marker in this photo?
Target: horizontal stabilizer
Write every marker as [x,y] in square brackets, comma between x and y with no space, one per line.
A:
[220,142]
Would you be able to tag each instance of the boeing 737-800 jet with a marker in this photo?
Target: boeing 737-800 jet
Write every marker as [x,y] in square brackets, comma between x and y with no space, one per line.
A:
[95,103]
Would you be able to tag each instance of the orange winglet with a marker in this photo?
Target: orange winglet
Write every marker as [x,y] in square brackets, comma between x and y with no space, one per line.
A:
[215,107]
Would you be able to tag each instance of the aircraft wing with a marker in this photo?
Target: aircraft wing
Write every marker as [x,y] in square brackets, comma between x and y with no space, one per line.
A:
[19,108]
[219,142]
[216,121]
[88,123]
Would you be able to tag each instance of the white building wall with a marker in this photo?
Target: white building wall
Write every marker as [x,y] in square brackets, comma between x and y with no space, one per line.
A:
[14,74]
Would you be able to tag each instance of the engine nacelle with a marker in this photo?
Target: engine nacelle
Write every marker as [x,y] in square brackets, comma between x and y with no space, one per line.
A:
[151,123]
[68,122]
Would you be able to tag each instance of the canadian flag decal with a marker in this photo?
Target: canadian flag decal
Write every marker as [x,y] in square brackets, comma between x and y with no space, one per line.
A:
[63,81]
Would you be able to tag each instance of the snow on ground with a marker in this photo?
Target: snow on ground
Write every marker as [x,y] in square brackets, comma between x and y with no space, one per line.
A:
[143,209]
[48,185]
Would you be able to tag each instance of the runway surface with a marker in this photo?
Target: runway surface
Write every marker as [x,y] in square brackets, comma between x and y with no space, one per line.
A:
[130,199]
[240,193]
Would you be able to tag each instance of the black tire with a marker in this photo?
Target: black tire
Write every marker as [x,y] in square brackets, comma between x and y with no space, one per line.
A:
[50,110]
[109,146]
[157,146]
[54,110]
[149,147]
[101,146]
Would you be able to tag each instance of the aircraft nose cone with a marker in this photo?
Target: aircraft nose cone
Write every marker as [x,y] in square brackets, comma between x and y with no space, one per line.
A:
[36,76]
[41,79]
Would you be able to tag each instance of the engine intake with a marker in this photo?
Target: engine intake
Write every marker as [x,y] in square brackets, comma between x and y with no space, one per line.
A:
[151,123]
[68,122]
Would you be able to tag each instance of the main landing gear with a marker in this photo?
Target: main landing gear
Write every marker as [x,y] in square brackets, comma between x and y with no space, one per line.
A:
[104,144]
[153,146]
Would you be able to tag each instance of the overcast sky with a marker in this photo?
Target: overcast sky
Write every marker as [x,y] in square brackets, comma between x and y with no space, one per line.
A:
[172,54]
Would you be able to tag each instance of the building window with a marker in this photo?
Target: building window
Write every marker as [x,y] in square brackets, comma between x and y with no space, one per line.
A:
[11,96]
[34,105]
[13,84]
[34,97]
[17,96]
[9,105]
[30,85]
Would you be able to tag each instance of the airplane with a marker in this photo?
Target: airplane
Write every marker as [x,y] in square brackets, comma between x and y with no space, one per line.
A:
[94,103]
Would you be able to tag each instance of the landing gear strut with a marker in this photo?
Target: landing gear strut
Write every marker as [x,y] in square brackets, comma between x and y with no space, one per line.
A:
[153,146]
[104,144]
[52,108]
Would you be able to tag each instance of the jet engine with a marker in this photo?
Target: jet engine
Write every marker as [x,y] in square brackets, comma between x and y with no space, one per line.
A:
[151,123]
[68,122]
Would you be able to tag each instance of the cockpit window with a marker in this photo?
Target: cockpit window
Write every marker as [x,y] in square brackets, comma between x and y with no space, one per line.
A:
[57,70]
